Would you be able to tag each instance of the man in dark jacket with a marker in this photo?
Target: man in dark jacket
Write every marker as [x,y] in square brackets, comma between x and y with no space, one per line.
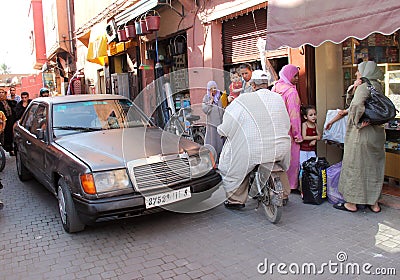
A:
[22,105]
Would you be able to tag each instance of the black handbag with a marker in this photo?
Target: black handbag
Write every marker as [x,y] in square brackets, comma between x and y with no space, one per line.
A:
[379,109]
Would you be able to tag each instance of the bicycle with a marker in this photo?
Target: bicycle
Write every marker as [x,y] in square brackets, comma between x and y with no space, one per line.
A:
[182,124]
[265,186]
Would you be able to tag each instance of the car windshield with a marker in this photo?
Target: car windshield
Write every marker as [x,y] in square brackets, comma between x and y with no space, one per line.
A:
[86,116]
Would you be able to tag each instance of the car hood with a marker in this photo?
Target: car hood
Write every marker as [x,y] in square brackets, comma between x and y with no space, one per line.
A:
[110,149]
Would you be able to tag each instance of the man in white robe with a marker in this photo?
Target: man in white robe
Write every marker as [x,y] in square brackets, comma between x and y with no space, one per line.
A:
[256,127]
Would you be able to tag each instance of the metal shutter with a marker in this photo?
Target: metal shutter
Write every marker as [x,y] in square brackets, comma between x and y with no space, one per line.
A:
[239,36]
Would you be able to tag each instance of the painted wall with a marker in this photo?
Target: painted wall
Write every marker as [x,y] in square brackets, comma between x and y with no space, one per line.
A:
[32,84]
[329,89]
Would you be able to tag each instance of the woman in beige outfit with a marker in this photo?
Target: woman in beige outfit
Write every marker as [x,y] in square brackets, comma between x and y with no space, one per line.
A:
[363,165]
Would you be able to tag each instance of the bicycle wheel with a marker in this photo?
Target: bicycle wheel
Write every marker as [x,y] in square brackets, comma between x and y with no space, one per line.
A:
[271,198]
[2,159]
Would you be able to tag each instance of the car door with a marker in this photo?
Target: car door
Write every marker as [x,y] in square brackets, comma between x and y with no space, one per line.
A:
[39,144]
[23,137]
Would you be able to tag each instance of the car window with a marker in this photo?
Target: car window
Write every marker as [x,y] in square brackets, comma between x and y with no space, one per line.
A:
[39,121]
[86,116]
[28,118]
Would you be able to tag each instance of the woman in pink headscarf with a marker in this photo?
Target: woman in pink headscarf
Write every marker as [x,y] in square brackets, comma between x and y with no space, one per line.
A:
[286,87]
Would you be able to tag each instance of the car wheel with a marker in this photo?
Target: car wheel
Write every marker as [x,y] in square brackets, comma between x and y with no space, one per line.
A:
[69,216]
[23,172]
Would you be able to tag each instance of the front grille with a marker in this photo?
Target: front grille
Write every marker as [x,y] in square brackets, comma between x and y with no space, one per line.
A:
[161,174]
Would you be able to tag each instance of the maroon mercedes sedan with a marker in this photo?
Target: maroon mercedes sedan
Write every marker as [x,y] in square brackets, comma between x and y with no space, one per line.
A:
[102,157]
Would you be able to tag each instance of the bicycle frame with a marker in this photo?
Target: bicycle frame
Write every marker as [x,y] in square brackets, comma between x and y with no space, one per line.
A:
[265,186]
[182,124]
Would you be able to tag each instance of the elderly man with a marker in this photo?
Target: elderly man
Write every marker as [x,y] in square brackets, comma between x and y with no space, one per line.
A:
[256,127]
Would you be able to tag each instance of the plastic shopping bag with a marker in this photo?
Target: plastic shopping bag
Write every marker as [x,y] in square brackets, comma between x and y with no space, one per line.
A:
[332,184]
[338,129]
[313,180]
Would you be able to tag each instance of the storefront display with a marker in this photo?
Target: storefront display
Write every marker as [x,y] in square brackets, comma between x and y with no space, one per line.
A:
[392,147]
[383,49]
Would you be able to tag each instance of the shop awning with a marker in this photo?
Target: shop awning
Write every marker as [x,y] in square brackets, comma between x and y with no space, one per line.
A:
[134,11]
[293,23]
[97,51]
[228,8]
[85,38]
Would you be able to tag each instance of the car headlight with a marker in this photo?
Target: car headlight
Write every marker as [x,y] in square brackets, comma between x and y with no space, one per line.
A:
[201,164]
[103,182]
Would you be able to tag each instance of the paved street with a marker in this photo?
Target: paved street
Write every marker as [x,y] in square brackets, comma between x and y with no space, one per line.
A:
[217,244]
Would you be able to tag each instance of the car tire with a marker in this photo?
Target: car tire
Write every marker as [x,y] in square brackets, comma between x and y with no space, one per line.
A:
[23,172]
[66,207]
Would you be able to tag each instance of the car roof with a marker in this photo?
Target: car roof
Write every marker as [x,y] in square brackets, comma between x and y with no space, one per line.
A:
[78,97]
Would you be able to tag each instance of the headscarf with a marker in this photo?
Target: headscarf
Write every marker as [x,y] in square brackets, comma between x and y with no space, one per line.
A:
[370,70]
[217,95]
[287,73]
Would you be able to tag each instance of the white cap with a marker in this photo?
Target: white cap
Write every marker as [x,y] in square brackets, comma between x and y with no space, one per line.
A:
[260,77]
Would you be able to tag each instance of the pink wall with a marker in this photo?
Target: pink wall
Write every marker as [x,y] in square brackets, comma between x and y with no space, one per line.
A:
[32,84]
[204,50]
[39,53]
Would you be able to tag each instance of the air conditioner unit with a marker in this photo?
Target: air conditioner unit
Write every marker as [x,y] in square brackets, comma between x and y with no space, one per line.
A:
[111,31]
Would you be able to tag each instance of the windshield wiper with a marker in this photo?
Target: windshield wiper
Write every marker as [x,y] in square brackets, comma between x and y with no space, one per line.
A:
[78,128]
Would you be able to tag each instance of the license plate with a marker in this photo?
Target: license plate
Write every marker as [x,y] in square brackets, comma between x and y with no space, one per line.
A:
[167,197]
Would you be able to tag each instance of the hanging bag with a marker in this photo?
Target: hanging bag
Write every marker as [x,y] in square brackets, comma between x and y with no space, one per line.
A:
[379,109]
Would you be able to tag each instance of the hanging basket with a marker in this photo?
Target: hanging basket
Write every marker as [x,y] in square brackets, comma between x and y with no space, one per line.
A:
[179,44]
[138,27]
[122,35]
[153,21]
[143,26]
[130,30]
